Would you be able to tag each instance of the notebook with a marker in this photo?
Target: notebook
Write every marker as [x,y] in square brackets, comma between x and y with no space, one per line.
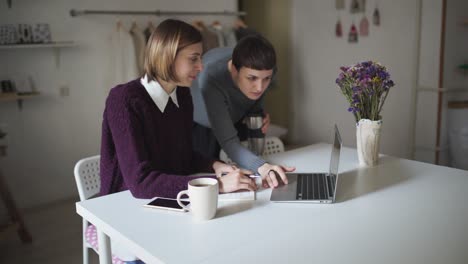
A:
[312,187]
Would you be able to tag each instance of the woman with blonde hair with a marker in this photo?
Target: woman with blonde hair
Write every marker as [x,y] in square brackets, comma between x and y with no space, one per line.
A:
[147,123]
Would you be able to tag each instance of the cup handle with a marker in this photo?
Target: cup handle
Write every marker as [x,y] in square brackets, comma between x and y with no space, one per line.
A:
[178,199]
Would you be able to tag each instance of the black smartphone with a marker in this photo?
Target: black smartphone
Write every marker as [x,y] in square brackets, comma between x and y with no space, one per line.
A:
[168,204]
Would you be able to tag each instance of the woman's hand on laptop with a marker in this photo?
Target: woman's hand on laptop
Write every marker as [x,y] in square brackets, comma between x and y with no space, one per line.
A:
[272,173]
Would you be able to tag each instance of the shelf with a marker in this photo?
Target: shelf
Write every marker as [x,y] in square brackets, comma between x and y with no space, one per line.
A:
[59,44]
[17,96]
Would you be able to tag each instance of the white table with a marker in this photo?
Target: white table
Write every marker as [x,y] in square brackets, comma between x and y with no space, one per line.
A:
[400,211]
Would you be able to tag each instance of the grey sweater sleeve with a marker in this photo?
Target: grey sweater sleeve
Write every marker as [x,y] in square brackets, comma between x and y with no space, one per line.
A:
[223,128]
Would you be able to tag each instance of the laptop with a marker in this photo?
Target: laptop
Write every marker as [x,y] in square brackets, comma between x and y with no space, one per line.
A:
[312,187]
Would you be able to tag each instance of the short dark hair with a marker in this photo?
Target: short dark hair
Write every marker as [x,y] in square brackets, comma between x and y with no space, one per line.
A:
[255,52]
[170,37]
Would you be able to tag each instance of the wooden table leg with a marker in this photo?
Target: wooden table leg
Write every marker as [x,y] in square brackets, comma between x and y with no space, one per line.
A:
[13,211]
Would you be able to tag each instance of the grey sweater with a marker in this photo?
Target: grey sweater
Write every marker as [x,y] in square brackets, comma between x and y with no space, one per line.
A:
[219,104]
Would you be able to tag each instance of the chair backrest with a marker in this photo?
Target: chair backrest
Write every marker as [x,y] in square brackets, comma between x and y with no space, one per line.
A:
[87,177]
[272,145]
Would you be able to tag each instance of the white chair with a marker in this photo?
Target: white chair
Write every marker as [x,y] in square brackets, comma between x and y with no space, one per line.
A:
[88,182]
[272,145]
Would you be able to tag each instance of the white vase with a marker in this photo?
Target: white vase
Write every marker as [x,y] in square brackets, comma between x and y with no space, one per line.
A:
[368,141]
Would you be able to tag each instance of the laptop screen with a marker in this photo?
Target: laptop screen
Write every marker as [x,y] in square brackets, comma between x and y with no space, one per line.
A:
[335,157]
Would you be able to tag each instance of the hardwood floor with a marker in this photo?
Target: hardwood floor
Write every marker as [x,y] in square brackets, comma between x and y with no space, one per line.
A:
[57,237]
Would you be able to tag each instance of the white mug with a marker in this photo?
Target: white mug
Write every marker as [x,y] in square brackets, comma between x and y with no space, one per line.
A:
[203,196]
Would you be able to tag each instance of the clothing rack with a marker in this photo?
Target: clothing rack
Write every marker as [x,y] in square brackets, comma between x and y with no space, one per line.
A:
[75,12]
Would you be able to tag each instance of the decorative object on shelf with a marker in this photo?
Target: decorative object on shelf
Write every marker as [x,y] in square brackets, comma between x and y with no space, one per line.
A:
[366,85]
[364,27]
[339,4]
[376,17]
[358,6]
[24,34]
[23,82]
[7,86]
[8,34]
[338,29]
[353,34]
[41,33]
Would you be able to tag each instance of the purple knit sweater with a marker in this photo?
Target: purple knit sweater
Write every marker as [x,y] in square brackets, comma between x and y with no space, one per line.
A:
[146,151]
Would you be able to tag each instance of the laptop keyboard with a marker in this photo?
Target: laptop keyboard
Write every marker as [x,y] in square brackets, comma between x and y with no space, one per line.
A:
[313,187]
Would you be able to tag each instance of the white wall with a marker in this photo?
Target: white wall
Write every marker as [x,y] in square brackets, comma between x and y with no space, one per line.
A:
[52,132]
[317,55]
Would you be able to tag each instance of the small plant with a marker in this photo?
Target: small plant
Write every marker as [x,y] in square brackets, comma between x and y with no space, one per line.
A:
[365,85]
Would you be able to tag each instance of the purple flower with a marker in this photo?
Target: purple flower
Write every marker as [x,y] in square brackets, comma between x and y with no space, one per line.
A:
[365,86]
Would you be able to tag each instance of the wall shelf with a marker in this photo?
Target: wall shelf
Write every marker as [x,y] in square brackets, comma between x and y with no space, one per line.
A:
[19,97]
[59,44]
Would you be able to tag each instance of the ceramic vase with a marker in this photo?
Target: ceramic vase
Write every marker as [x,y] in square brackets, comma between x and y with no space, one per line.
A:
[368,141]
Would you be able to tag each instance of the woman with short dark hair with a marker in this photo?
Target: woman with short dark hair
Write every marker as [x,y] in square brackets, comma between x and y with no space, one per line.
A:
[232,87]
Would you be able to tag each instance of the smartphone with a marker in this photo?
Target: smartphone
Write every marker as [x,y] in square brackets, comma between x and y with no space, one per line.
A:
[168,204]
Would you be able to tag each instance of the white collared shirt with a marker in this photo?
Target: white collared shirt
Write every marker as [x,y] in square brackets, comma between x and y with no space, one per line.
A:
[158,94]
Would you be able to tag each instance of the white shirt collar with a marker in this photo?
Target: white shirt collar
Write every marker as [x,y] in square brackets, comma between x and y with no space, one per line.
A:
[158,94]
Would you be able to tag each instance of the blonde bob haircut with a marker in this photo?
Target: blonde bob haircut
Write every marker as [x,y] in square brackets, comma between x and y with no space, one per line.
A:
[169,37]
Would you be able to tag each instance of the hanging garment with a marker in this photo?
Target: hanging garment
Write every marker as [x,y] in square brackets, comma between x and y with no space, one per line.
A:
[364,27]
[339,4]
[230,39]
[353,34]
[218,30]
[123,61]
[209,40]
[376,17]
[338,29]
[149,30]
[139,42]
[355,6]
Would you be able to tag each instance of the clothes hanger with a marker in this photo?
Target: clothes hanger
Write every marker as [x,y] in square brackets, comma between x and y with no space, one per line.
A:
[134,26]
[198,24]
[239,23]
[216,24]
[119,25]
